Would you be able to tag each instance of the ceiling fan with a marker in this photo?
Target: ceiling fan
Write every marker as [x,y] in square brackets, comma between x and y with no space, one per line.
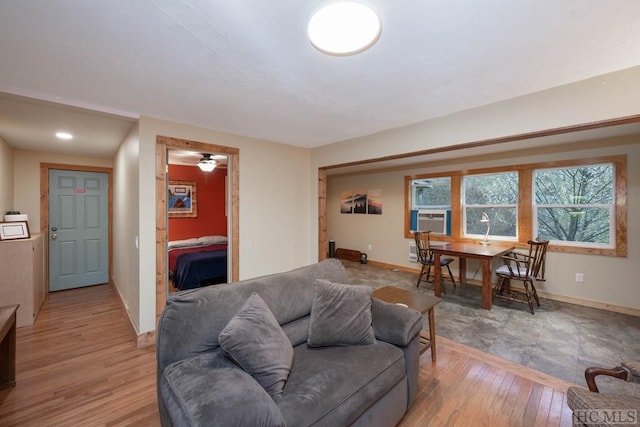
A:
[192,158]
[207,163]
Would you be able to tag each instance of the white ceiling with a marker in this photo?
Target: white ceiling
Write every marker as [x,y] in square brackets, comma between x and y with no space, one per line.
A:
[246,67]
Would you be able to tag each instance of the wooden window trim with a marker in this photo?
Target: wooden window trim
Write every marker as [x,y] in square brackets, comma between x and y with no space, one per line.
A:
[525,202]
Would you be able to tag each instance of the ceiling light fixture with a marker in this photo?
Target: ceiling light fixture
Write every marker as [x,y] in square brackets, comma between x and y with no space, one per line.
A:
[64,135]
[206,163]
[344,28]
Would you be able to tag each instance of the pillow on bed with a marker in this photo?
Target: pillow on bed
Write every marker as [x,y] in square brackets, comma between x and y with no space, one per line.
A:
[254,340]
[212,240]
[340,315]
[183,243]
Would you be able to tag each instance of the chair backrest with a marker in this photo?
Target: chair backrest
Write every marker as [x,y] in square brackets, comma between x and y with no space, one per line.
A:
[423,246]
[537,258]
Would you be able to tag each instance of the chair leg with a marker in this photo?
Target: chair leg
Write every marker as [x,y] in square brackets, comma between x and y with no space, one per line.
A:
[529,294]
[420,276]
[428,273]
[499,289]
[451,275]
[535,293]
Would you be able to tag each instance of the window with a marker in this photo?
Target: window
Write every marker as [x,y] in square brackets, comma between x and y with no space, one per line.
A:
[431,193]
[579,205]
[576,205]
[495,194]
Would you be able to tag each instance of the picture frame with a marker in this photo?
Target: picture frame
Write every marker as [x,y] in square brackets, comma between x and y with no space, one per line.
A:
[14,230]
[182,199]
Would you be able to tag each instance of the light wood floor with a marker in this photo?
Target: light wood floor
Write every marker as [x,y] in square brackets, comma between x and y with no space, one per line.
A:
[78,366]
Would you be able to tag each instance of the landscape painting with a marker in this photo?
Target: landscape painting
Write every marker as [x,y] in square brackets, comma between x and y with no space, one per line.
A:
[346,202]
[374,202]
[360,202]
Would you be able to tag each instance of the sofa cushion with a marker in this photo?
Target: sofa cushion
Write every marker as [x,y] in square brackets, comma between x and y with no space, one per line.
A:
[333,386]
[210,390]
[192,320]
[340,315]
[256,342]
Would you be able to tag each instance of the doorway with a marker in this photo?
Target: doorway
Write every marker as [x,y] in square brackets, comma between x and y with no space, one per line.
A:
[78,229]
[197,225]
[45,169]
[233,160]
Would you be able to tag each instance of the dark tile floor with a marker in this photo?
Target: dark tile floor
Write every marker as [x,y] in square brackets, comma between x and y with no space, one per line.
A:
[561,339]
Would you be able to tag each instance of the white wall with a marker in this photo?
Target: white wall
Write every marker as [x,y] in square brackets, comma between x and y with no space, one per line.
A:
[27,179]
[275,213]
[386,232]
[125,224]
[6,177]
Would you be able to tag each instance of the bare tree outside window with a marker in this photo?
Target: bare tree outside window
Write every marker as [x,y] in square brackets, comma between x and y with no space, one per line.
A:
[575,204]
[495,194]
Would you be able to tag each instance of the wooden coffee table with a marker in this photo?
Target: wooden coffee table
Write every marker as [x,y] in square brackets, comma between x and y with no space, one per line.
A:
[422,303]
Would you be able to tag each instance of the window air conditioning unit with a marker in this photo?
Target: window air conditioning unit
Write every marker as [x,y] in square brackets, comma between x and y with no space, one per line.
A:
[436,221]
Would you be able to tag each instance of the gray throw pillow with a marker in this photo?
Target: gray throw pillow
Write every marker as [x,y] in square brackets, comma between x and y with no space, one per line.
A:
[255,341]
[340,315]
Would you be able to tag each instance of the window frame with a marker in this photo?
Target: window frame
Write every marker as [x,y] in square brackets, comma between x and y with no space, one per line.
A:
[525,208]
[464,206]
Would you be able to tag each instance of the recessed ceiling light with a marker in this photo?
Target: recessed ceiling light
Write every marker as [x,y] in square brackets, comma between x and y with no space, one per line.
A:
[344,28]
[64,135]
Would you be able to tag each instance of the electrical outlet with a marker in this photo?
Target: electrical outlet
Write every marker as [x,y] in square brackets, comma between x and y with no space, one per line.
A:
[579,278]
[369,247]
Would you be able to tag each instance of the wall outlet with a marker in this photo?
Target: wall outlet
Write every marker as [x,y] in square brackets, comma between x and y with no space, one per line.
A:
[369,247]
[579,278]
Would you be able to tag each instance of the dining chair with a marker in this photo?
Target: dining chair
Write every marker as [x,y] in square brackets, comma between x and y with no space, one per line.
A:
[425,257]
[527,268]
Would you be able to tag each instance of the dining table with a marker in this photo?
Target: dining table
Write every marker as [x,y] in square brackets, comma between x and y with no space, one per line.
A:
[485,253]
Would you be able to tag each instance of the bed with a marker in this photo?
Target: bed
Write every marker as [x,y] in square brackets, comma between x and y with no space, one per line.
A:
[198,262]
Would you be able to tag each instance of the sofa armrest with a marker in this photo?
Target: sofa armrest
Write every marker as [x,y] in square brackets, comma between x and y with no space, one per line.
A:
[394,323]
[208,390]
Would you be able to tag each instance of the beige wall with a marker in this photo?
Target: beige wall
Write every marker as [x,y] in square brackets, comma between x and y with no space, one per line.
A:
[604,97]
[275,213]
[6,177]
[386,235]
[125,218]
[27,179]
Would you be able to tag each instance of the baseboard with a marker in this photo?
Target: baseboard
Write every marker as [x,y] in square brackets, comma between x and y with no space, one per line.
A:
[547,295]
[141,340]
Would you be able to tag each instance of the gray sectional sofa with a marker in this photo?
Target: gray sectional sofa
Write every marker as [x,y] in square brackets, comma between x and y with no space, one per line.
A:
[335,385]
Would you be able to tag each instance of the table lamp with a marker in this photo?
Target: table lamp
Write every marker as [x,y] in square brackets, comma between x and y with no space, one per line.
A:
[485,220]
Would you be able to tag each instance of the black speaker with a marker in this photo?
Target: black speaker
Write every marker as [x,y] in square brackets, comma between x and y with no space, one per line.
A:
[332,249]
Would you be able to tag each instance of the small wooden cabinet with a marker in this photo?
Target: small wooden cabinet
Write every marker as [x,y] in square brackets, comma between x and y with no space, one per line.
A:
[22,276]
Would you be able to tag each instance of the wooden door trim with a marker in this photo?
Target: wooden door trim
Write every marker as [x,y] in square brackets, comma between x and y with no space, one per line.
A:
[233,155]
[44,208]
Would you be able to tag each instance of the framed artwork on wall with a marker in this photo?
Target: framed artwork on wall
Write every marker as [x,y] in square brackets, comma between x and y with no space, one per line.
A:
[374,202]
[361,202]
[182,199]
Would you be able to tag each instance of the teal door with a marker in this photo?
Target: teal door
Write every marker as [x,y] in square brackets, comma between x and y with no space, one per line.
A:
[78,229]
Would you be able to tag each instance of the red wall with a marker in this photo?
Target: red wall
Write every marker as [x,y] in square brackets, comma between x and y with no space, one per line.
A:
[210,191]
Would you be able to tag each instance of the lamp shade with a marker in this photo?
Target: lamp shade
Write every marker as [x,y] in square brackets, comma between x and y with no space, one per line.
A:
[207,164]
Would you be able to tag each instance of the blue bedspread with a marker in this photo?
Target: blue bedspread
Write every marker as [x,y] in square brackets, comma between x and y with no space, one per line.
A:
[200,268]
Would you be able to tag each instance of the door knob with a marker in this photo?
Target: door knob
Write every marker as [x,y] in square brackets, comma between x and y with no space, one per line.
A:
[54,236]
